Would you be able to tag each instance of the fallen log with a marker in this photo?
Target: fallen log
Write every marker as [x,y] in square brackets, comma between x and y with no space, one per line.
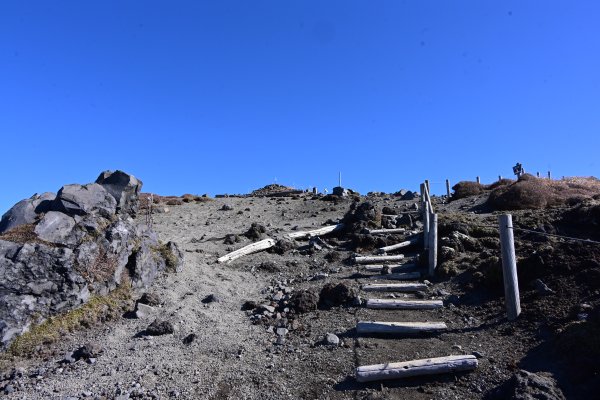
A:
[377,259]
[316,232]
[394,267]
[251,248]
[384,231]
[429,366]
[404,304]
[399,327]
[394,287]
[400,245]
[400,276]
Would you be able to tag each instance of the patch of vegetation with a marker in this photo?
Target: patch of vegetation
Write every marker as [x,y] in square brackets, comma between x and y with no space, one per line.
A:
[98,309]
[466,189]
[165,252]
[25,234]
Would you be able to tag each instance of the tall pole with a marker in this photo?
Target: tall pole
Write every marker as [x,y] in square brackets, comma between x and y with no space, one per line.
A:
[340,179]
[509,266]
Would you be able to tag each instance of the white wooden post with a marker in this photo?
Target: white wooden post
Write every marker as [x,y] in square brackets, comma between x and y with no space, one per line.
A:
[509,267]
[426,226]
[422,189]
[427,186]
[448,188]
[433,239]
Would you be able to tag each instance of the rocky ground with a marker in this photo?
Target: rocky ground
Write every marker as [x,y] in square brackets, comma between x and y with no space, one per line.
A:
[248,330]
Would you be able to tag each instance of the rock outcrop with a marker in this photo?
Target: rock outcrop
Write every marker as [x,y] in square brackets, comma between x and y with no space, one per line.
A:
[58,250]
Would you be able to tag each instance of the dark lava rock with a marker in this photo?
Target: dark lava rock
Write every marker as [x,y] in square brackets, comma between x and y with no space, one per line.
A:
[26,211]
[87,351]
[303,302]
[211,298]
[526,385]
[150,299]
[269,266]
[388,211]
[124,188]
[159,327]
[249,305]
[336,295]
[189,338]
[284,245]
[231,239]
[255,232]
[333,256]
[226,207]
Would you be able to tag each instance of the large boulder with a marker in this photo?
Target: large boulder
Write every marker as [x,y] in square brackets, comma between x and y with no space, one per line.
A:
[26,211]
[124,188]
[79,246]
[85,199]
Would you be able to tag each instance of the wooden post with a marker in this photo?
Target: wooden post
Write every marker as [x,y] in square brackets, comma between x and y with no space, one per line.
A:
[478,180]
[426,226]
[509,267]
[394,287]
[316,232]
[427,186]
[537,174]
[499,177]
[448,188]
[251,248]
[549,176]
[422,190]
[433,239]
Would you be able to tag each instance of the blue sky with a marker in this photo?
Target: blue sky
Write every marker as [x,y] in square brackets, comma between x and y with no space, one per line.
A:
[228,96]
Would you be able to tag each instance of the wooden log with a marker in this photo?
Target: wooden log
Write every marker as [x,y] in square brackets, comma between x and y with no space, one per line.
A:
[363,327]
[393,267]
[377,259]
[400,245]
[433,243]
[394,287]
[428,366]
[317,232]
[386,231]
[509,267]
[404,304]
[251,248]
[400,276]
[426,215]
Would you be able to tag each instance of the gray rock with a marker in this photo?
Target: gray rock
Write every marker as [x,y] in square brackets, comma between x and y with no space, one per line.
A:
[56,227]
[526,385]
[211,298]
[144,311]
[25,211]
[281,331]
[340,191]
[541,287]
[8,389]
[159,327]
[331,340]
[85,199]
[124,188]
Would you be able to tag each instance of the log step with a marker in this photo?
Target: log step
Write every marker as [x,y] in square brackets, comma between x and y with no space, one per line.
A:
[377,259]
[363,327]
[316,232]
[428,366]
[400,245]
[394,267]
[400,276]
[394,287]
[404,304]
[251,248]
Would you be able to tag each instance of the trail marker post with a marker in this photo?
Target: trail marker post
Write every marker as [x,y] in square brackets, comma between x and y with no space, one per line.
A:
[509,267]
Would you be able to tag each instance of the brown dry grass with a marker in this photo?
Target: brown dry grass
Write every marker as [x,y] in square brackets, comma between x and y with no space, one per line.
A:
[530,192]
[21,234]
[466,189]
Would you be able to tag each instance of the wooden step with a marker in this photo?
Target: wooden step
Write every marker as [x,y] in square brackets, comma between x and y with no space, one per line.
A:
[400,276]
[428,366]
[394,287]
[363,327]
[404,304]
[377,259]
[400,245]
[394,267]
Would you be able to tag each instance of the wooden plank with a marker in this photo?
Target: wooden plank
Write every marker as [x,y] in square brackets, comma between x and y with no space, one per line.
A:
[404,304]
[509,267]
[251,248]
[377,259]
[394,287]
[399,327]
[400,245]
[385,231]
[400,276]
[393,267]
[428,366]
[316,232]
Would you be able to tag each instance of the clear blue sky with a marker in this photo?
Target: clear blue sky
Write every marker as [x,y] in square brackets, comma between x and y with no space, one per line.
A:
[227,96]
